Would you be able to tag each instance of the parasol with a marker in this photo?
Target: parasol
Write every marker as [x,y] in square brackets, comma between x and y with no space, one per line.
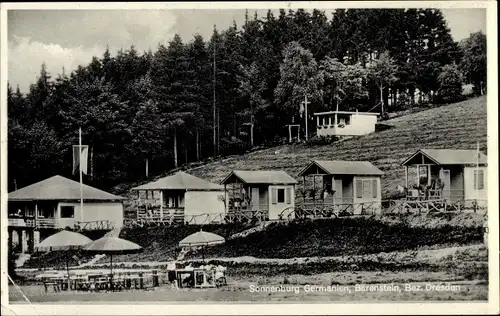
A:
[112,246]
[202,239]
[63,240]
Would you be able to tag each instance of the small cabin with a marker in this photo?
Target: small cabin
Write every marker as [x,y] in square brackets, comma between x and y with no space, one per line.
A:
[446,174]
[343,123]
[55,203]
[181,198]
[262,194]
[352,186]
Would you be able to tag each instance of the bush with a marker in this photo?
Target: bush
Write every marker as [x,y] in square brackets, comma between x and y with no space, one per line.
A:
[450,85]
[321,140]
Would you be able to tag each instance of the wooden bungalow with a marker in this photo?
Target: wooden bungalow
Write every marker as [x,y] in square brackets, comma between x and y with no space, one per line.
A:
[181,198]
[352,186]
[259,194]
[446,174]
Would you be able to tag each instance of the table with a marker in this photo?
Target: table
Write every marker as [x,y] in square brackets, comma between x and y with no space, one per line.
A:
[200,278]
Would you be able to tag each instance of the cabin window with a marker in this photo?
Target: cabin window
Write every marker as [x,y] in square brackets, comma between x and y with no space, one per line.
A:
[344,120]
[374,188]
[67,211]
[359,188]
[478,179]
[288,195]
[281,195]
[366,188]
[274,195]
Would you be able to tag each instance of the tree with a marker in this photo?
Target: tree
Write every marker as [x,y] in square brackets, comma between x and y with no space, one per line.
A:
[382,72]
[473,64]
[251,89]
[450,84]
[299,77]
[343,82]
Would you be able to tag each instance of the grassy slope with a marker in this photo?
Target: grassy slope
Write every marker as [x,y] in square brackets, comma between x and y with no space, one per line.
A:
[331,237]
[455,126]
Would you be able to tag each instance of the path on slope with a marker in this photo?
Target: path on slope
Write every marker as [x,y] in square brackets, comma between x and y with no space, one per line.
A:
[455,126]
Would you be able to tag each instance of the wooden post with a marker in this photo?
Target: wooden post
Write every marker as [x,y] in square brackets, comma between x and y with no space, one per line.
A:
[161,204]
[225,198]
[406,177]
[251,135]
[313,190]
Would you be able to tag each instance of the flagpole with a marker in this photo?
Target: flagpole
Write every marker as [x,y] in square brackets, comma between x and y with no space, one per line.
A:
[477,165]
[80,167]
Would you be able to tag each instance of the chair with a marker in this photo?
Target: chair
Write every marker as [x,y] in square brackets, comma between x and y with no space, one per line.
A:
[51,283]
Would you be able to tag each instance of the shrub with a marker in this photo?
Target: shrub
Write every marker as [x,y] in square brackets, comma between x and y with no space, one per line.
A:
[450,85]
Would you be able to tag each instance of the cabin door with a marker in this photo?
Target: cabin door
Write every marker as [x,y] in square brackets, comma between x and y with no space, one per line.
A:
[447,184]
[337,195]
[255,199]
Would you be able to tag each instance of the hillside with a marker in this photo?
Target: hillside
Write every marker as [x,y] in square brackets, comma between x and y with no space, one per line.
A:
[327,237]
[455,126]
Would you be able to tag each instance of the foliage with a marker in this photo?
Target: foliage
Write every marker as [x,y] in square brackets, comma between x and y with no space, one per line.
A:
[383,71]
[473,63]
[343,83]
[299,77]
[450,84]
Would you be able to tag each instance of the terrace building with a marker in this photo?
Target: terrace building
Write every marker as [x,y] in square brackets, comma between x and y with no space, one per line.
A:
[343,123]
[55,203]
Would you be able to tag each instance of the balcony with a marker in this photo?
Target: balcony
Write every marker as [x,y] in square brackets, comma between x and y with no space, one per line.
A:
[33,223]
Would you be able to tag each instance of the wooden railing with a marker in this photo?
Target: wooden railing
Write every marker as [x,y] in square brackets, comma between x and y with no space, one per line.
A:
[45,223]
[95,225]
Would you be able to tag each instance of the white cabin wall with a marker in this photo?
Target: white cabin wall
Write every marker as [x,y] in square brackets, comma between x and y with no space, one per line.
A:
[203,202]
[368,198]
[112,212]
[277,208]
[359,125]
[469,191]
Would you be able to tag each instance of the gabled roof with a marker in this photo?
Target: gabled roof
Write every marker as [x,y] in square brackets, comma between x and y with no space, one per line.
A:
[261,177]
[338,167]
[451,156]
[180,181]
[60,188]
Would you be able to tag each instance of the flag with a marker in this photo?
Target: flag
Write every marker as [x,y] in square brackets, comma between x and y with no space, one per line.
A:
[83,157]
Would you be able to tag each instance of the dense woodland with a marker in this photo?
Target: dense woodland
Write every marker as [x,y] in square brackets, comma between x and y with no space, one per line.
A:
[159,105]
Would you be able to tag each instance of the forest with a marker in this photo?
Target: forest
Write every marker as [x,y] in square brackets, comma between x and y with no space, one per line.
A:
[198,100]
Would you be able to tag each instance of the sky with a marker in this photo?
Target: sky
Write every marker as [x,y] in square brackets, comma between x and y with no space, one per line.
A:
[68,38]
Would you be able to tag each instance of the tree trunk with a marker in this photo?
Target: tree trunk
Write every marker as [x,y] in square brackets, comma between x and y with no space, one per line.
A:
[175,147]
[197,145]
[382,101]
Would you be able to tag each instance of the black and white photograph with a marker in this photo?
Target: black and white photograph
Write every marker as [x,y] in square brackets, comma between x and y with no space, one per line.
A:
[317,156]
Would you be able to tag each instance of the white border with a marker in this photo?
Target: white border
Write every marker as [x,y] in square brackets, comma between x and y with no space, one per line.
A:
[492,307]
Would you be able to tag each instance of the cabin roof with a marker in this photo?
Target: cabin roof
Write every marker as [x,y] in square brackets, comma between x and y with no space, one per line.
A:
[60,188]
[346,112]
[179,181]
[450,157]
[261,177]
[339,167]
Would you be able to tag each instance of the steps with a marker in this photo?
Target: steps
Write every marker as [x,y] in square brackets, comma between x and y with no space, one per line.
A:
[23,257]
